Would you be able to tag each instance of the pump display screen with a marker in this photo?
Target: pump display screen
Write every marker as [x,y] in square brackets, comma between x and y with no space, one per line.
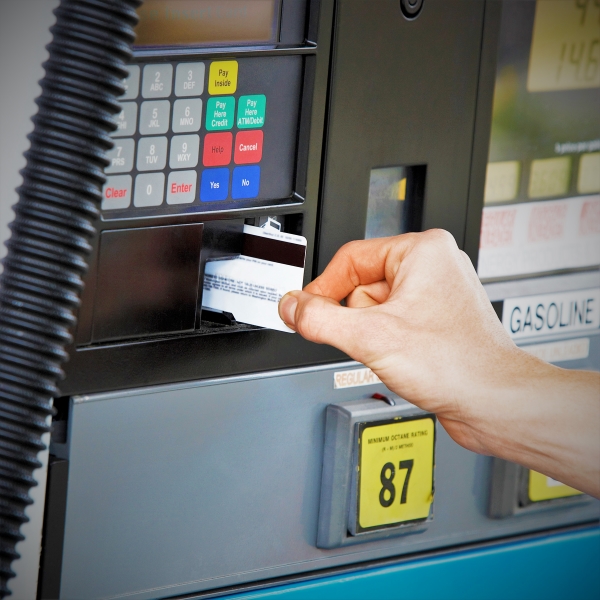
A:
[542,204]
[207,22]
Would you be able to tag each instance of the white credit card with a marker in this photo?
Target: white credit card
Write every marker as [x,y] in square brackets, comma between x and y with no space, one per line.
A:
[250,285]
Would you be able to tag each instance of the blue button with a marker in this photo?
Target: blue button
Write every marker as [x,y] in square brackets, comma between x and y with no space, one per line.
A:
[246,182]
[214,185]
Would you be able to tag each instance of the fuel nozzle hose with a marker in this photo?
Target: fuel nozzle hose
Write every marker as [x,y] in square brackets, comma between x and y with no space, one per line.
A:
[58,203]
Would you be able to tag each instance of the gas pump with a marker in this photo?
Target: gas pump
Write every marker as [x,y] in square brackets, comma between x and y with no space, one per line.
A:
[194,454]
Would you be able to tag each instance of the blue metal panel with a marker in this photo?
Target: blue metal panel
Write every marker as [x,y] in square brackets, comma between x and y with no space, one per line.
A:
[556,566]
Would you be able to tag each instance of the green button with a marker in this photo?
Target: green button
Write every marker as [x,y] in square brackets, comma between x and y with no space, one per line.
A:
[251,111]
[219,113]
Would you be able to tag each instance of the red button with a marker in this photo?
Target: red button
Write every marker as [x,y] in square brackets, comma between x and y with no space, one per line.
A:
[217,149]
[248,147]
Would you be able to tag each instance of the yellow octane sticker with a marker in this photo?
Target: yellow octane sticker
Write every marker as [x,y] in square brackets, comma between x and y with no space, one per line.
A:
[546,488]
[395,472]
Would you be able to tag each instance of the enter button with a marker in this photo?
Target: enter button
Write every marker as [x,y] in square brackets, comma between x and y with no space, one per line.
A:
[248,147]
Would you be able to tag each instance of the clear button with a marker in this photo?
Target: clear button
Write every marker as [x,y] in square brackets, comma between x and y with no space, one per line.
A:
[116,192]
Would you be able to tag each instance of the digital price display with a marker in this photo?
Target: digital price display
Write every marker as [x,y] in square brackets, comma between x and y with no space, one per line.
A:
[541,488]
[207,22]
[395,472]
[565,50]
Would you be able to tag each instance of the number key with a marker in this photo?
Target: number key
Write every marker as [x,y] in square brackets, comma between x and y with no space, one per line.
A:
[152,154]
[149,189]
[184,151]
[187,115]
[121,157]
[189,79]
[157,81]
[126,120]
[154,117]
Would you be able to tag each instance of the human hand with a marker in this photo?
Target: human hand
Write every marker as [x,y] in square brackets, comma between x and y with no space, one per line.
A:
[417,315]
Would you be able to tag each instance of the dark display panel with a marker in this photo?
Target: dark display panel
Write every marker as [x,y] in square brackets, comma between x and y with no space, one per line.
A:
[207,22]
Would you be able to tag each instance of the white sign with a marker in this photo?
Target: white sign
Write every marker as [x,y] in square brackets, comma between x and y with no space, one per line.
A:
[354,378]
[560,351]
[564,312]
[537,237]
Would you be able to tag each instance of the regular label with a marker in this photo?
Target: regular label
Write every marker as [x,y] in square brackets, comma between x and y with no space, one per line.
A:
[552,313]
[354,378]
[395,472]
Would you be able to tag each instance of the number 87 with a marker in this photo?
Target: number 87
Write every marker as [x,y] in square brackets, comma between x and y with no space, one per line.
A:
[388,486]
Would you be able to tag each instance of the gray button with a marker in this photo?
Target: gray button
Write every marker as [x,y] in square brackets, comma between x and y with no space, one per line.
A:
[152,154]
[116,192]
[121,157]
[154,117]
[189,79]
[184,151]
[149,189]
[182,187]
[187,115]
[126,120]
[132,83]
[157,82]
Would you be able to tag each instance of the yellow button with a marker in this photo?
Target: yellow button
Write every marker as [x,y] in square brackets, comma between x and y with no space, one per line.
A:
[222,78]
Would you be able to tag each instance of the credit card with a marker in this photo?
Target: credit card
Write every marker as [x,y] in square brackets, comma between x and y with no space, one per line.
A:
[251,285]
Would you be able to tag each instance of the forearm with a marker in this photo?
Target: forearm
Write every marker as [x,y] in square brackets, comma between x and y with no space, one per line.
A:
[417,315]
[545,418]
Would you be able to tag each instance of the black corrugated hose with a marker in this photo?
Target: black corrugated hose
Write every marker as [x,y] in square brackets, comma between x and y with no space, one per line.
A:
[47,252]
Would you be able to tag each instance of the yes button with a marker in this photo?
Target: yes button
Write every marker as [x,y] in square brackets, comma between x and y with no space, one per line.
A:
[248,147]
[215,185]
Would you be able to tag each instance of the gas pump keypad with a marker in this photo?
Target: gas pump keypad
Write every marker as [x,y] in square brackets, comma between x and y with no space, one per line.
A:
[194,134]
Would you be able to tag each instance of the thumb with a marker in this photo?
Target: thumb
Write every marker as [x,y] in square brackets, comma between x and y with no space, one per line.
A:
[322,320]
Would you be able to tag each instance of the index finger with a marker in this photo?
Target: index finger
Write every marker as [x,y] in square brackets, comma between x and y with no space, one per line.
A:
[359,263]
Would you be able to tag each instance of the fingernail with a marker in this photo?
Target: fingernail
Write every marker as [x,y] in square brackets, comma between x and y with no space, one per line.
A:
[287,309]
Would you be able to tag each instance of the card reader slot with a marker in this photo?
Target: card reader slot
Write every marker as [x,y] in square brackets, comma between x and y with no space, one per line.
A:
[226,239]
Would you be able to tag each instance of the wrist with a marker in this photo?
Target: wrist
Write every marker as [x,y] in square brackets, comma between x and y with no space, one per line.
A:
[506,399]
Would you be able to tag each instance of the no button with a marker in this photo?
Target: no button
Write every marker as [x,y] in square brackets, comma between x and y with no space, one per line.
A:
[245,182]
